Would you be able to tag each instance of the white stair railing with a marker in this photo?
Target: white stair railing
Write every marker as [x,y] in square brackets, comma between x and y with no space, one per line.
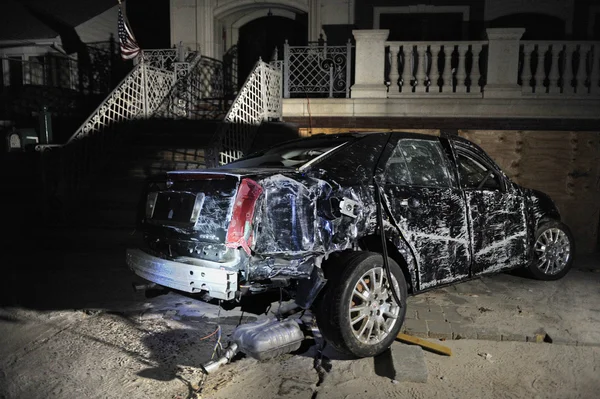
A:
[137,96]
[198,94]
[258,100]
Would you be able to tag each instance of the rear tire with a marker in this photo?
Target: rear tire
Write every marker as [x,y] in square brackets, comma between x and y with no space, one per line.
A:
[553,251]
[357,313]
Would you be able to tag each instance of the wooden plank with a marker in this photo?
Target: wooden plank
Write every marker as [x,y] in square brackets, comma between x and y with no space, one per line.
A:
[306,132]
[427,345]
[563,164]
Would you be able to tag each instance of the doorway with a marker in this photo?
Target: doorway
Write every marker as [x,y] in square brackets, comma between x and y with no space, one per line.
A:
[258,38]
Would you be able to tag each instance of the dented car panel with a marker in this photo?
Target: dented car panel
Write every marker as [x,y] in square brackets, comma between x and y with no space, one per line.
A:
[275,217]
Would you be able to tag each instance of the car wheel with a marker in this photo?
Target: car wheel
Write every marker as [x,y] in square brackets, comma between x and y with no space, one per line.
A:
[553,251]
[357,313]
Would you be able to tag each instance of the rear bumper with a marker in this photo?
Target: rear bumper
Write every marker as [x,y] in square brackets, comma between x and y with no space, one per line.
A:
[220,284]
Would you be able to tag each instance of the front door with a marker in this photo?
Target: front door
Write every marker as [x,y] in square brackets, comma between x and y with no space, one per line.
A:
[429,209]
[496,212]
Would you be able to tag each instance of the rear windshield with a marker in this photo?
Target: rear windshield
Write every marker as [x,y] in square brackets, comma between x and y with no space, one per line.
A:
[293,154]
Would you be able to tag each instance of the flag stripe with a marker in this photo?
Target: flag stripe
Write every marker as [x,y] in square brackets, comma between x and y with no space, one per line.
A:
[129,46]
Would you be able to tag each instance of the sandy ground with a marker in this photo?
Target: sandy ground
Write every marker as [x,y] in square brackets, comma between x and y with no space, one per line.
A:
[71,327]
[514,370]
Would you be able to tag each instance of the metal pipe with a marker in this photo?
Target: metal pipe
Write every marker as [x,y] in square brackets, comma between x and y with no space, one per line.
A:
[212,366]
[143,287]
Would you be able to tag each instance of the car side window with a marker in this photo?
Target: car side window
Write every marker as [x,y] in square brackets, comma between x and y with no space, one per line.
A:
[419,163]
[476,175]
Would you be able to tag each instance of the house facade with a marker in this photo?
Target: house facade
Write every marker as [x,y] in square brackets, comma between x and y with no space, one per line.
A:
[217,25]
[519,77]
[64,64]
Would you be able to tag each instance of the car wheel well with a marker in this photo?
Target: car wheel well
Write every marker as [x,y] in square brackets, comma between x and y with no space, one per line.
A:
[373,244]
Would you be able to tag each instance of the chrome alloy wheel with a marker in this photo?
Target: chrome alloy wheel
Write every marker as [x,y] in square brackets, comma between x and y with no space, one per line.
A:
[553,251]
[373,310]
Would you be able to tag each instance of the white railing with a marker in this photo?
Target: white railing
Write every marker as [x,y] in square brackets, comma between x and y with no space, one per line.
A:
[164,58]
[137,96]
[199,92]
[414,68]
[560,68]
[259,99]
[503,66]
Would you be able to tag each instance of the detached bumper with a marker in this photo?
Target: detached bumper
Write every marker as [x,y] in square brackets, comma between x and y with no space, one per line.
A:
[220,284]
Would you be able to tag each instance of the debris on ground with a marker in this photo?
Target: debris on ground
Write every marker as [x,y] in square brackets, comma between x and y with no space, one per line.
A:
[427,345]
[483,310]
[486,356]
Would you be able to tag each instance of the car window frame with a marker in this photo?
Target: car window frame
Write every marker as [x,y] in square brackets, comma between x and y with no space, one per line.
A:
[462,150]
[448,163]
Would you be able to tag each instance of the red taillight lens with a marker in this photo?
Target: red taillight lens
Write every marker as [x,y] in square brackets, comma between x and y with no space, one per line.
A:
[240,228]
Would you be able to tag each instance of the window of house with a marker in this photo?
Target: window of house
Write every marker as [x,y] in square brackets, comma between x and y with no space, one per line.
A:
[15,71]
[36,70]
[419,163]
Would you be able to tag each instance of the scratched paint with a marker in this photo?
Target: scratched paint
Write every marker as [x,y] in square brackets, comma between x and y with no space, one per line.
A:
[443,232]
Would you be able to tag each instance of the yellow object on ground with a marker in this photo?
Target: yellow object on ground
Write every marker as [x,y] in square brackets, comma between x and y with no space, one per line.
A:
[427,345]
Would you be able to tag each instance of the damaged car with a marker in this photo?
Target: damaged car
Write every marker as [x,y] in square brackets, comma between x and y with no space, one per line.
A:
[348,224]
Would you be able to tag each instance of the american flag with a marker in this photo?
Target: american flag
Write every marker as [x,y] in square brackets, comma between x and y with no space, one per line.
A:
[129,47]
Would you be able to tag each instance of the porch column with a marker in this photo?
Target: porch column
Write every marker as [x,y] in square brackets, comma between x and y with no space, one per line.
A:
[205,25]
[314,20]
[503,62]
[370,64]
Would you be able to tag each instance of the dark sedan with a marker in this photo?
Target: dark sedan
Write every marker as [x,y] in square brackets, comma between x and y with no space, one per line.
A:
[338,220]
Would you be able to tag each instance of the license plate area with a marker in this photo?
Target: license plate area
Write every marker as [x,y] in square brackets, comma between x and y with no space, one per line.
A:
[177,208]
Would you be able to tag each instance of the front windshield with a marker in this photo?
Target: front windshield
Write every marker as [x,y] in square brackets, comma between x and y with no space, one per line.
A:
[293,154]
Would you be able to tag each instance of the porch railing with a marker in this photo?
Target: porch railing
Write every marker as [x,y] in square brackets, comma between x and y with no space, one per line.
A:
[317,70]
[259,99]
[414,68]
[503,66]
[200,91]
[559,68]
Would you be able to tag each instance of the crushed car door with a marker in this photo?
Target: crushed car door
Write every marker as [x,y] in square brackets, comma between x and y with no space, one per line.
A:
[429,209]
[496,213]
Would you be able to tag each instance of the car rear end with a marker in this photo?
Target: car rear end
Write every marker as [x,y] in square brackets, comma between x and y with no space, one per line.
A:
[199,226]
[197,231]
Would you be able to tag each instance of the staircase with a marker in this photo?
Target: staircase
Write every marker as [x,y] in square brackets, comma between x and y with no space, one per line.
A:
[170,112]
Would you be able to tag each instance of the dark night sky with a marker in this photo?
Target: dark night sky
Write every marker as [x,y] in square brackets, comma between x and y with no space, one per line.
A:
[149,19]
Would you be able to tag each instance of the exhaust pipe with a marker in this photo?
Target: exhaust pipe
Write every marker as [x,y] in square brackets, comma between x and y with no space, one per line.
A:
[263,339]
[143,287]
[213,365]
[151,290]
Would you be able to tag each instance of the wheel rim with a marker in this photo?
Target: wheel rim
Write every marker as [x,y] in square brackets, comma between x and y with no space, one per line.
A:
[553,251]
[373,310]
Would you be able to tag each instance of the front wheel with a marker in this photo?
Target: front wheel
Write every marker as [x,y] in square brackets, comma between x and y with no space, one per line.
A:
[553,251]
[357,313]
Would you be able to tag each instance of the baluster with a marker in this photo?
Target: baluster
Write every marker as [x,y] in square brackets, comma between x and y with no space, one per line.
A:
[567,80]
[539,75]
[475,71]
[447,74]
[595,73]
[461,70]
[413,66]
[581,74]
[554,73]
[526,75]
[394,69]
[420,84]
[434,71]
[404,71]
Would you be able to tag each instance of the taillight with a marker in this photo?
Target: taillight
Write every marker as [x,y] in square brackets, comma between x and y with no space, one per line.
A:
[239,233]
[150,204]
